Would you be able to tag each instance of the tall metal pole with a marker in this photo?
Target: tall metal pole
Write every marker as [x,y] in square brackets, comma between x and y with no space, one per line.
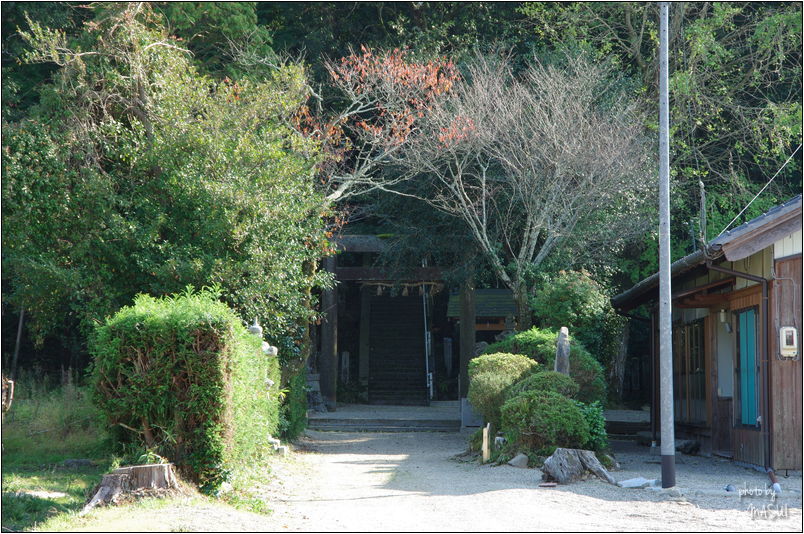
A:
[665,306]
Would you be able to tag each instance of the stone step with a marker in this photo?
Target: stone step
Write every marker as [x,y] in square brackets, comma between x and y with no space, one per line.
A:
[384,425]
[627,430]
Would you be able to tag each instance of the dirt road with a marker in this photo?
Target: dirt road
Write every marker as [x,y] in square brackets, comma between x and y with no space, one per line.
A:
[409,482]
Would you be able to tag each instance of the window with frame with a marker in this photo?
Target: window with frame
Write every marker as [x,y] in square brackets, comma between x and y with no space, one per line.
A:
[689,373]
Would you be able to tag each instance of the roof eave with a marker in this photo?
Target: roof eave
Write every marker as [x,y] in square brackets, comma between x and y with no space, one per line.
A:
[638,294]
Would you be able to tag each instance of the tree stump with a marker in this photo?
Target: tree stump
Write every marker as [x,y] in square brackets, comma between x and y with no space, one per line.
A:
[568,465]
[128,479]
[562,364]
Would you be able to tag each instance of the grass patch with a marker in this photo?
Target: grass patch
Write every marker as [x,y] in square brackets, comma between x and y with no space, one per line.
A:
[42,429]
[46,427]
[128,517]
[31,495]
[50,423]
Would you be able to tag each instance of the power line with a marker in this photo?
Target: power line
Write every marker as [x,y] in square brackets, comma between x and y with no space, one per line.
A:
[760,191]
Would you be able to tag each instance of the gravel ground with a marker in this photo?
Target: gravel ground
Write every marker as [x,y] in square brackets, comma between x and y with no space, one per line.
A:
[412,482]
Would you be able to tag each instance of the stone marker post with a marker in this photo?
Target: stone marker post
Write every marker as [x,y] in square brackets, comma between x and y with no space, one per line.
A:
[486,447]
[562,364]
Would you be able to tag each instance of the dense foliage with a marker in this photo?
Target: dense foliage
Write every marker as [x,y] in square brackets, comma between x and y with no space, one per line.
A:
[148,146]
[545,381]
[501,362]
[182,376]
[540,345]
[593,413]
[136,173]
[490,375]
[575,300]
[540,421]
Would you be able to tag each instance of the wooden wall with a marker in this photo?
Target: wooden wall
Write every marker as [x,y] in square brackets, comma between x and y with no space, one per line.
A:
[748,445]
[786,375]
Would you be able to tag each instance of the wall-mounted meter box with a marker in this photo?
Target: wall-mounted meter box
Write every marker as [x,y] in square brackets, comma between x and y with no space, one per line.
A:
[788,342]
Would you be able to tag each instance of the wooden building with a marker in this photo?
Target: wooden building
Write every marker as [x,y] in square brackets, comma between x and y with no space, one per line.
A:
[495,312]
[737,370]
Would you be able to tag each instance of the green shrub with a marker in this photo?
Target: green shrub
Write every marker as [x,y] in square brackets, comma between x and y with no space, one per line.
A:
[501,362]
[294,409]
[593,413]
[541,346]
[575,300]
[539,421]
[490,375]
[545,381]
[182,376]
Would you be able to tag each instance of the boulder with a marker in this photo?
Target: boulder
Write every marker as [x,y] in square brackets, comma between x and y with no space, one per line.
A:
[688,446]
[520,460]
[480,347]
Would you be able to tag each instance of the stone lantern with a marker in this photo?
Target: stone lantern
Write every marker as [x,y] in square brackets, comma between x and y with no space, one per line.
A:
[268,350]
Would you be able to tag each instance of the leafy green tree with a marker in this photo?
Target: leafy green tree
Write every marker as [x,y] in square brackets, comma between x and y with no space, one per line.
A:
[429,29]
[224,37]
[735,90]
[137,174]
[22,80]
[575,300]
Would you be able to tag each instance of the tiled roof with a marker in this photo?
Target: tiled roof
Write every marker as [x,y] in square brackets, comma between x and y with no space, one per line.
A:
[488,303]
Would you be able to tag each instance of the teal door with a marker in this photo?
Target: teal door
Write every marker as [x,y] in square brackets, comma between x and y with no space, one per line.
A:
[747,324]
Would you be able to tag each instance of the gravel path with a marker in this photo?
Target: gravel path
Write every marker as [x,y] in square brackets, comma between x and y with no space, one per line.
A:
[411,482]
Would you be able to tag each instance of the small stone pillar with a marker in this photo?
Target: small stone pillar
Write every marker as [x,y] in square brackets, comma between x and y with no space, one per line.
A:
[562,364]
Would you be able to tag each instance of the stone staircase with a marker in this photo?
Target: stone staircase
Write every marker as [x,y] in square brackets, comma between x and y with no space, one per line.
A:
[396,362]
[440,416]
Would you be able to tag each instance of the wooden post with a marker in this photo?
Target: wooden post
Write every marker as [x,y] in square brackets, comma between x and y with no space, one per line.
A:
[486,447]
[328,362]
[17,345]
[365,325]
[467,333]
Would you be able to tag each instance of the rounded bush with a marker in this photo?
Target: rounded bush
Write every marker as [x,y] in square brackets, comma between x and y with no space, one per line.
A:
[490,375]
[539,421]
[541,346]
[502,362]
[545,381]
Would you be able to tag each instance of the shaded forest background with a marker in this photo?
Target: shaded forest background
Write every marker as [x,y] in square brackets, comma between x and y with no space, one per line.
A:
[736,82]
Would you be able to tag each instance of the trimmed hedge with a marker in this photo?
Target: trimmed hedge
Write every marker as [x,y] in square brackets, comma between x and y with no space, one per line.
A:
[540,421]
[490,375]
[541,346]
[545,381]
[185,379]
[293,415]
